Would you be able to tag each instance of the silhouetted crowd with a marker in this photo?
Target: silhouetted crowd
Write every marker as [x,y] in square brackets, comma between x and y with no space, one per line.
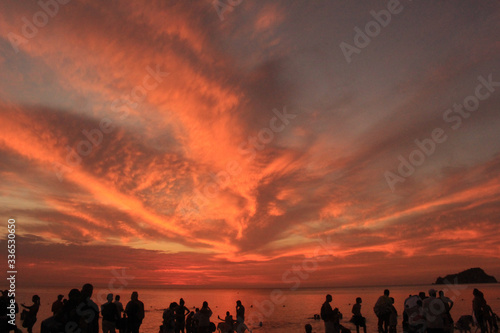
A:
[79,314]
[422,314]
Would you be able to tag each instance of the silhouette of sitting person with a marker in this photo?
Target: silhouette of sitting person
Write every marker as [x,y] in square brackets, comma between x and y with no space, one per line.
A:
[57,306]
[228,323]
[135,313]
[30,317]
[308,328]
[110,315]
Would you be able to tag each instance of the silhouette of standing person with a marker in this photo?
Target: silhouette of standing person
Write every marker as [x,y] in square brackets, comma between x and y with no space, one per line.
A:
[30,318]
[327,315]
[110,315]
[204,318]
[121,322]
[169,318]
[190,323]
[479,309]
[448,304]
[240,317]
[434,311]
[135,313]
[357,318]
[88,310]
[180,316]
[393,318]
[382,310]
[57,306]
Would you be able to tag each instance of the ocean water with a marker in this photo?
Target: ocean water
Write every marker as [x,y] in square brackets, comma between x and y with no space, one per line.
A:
[281,310]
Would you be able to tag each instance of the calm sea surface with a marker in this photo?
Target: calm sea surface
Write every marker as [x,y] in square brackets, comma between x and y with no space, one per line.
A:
[295,310]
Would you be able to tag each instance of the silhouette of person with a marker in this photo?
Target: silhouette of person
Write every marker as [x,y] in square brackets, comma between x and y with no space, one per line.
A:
[479,309]
[30,318]
[169,318]
[121,323]
[327,315]
[135,313]
[448,304]
[88,310]
[110,315]
[190,323]
[382,310]
[308,328]
[204,318]
[490,319]
[393,318]
[240,317]
[357,318]
[434,311]
[6,323]
[180,316]
[228,323]
[57,306]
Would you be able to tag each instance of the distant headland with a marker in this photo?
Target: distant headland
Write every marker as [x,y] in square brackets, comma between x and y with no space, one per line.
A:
[469,276]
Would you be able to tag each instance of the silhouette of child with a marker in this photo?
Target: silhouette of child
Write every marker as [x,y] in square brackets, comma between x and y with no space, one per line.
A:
[357,319]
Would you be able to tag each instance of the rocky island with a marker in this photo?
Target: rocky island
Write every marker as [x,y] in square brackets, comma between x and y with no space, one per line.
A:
[469,276]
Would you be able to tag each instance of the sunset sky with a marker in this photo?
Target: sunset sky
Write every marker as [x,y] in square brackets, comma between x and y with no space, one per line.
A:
[193,144]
